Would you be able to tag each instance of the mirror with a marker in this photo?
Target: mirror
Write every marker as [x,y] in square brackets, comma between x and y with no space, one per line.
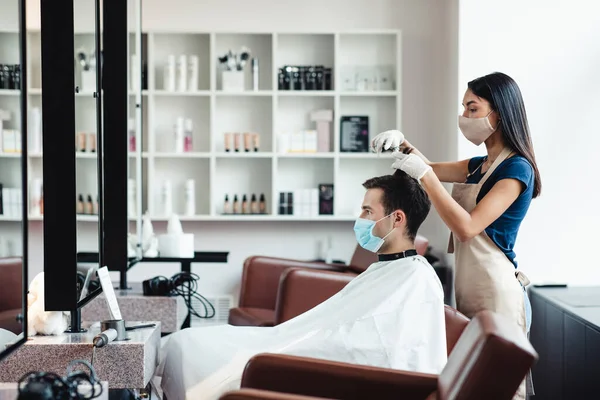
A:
[14,187]
[86,136]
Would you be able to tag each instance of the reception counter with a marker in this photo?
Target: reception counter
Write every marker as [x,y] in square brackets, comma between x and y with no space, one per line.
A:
[565,331]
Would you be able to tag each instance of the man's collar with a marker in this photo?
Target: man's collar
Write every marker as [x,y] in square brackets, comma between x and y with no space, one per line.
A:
[397,256]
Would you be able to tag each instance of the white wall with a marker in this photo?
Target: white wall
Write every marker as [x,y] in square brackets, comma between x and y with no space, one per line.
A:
[552,49]
[429,83]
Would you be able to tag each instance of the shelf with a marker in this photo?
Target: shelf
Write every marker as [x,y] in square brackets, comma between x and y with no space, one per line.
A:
[261,47]
[259,218]
[177,172]
[305,155]
[16,156]
[85,155]
[373,156]
[181,155]
[244,93]
[214,112]
[243,114]
[164,93]
[10,92]
[297,173]
[166,112]
[10,219]
[214,218]
[177,44]
[306,93]
[244,154]
[369,93]
[80,218]
[241,177]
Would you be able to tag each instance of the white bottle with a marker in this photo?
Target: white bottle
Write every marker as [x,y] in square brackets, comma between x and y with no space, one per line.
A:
[35,198]
[179,138]
[35,131]
[255,74]
[193,74]
[188,135]
[190,197]
[167,199]
[169,78]
[131,198]
[182,68]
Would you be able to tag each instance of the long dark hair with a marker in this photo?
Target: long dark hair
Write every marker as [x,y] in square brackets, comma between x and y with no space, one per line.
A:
[504,96]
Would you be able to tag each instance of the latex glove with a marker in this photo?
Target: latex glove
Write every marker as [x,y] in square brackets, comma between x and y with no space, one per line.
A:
[387,140]
[412,164]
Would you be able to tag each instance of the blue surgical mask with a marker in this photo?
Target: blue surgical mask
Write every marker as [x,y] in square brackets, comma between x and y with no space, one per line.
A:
[363,229]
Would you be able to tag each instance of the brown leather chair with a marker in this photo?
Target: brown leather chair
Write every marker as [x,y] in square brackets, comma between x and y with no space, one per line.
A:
[489,362]
[261,280]
[11,294]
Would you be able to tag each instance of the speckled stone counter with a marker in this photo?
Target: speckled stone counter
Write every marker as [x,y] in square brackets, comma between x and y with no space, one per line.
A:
[128,364]
[171,311]
[10,391]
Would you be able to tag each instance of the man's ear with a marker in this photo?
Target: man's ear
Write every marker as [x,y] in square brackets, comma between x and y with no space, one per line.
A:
[399,218]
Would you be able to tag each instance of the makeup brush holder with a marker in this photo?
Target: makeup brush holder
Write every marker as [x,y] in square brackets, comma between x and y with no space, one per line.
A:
[88,81]
[116,324]
[233,81]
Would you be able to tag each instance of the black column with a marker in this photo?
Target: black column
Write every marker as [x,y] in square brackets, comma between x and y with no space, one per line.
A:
[58,126]
[115,134]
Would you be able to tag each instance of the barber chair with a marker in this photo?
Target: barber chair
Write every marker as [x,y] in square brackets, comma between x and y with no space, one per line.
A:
[11,294]
[489,361]
[261,282]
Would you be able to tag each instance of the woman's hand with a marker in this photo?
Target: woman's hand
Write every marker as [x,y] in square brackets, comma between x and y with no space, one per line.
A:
[387,140]
[412,164]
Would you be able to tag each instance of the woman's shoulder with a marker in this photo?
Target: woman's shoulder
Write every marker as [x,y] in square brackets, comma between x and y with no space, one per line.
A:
[516,166]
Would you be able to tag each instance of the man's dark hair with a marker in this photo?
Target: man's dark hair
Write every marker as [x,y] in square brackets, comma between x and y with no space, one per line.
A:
[401,192]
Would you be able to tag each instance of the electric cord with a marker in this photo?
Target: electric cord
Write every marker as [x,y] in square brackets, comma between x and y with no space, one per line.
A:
[49,385]
[184,284]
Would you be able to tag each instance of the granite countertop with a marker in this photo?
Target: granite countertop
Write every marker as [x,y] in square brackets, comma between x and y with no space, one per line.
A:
[580,301]
[171,311]
[125,364]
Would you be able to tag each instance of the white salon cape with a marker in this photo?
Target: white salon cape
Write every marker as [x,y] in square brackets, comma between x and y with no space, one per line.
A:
[390,316]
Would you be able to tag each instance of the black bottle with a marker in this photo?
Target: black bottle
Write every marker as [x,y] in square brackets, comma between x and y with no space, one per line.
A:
[236,205]
[262,205]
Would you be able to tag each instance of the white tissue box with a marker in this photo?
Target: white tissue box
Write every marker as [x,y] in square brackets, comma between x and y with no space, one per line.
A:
[176,245]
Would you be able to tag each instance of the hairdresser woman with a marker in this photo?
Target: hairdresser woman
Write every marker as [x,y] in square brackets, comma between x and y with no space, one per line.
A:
[490,197]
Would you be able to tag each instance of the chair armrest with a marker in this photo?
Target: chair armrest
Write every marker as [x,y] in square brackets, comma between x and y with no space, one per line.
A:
[333,380]
[260,279]
[302,289]
[253,394]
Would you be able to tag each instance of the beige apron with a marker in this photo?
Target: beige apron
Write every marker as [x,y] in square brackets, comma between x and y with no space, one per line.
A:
[485,279]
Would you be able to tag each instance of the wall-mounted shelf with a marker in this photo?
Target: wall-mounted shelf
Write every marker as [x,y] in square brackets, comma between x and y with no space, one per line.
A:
[267,111]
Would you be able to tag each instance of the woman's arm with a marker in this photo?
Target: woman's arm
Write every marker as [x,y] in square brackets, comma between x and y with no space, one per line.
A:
[448,172]
[465,226]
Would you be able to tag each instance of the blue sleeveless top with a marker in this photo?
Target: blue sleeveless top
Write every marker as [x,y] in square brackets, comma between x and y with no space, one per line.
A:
[504,230]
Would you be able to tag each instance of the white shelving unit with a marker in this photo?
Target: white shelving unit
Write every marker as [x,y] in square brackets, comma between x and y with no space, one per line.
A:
[267,111]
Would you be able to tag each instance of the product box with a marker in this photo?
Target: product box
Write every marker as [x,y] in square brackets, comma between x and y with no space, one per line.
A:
[233,81]
[326,199]
[354,134]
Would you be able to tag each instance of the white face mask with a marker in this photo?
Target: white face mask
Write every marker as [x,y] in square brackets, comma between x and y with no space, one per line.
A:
[476,130]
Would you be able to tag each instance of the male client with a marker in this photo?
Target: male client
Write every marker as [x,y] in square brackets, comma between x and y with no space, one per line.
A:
[391,315]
